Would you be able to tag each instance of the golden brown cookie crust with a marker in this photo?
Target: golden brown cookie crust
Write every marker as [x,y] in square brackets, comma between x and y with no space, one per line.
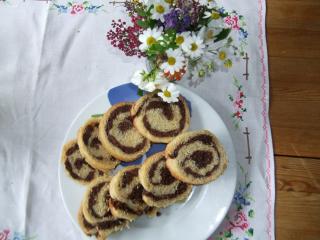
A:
[125,187]
[160,121]
[196,157]
[118,135]
[76,165]
[161,188]
[91,147]
[86,227]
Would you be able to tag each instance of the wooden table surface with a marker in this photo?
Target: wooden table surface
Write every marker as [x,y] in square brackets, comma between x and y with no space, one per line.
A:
[293,33]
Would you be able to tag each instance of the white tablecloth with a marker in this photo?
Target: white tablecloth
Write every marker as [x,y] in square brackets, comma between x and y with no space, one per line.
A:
[53,62]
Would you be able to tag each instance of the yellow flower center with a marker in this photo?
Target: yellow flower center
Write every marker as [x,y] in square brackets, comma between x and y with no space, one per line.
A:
[150,40]
[194,47]
[201,73]
[171,61]
[215,15]
[179,40]
[222,55]
[210,34]
[169,1]
[159,9]
[166,93]
[228,63]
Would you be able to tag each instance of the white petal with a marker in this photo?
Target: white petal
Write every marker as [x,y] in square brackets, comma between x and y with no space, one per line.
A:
[150,87]
[171,87]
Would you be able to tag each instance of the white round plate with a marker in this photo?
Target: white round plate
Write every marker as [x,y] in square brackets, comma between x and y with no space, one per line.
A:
[194,219]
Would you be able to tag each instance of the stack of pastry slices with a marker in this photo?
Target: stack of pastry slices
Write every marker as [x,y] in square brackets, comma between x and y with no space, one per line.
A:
[124,133]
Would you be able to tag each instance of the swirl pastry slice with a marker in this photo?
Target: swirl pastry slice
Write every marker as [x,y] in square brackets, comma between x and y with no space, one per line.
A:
[91,147]
[76,165]
[126,192]
[96,210]
[88,228]
[122,210]
[196,157]
[160,121]
[161,189]
[118,135]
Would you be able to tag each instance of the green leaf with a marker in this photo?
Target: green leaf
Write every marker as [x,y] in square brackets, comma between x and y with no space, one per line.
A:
[157,48]
[228,234]
[152,23]
[223,34]
[251,213]
[141,12]
[140,92]
[250,232]
[142,24]
[96,115]
[224,15]
[70,3]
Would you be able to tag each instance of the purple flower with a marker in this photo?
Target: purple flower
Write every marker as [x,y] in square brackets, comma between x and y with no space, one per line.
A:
[177,19]
[171,19]
[186,22]
[192,9]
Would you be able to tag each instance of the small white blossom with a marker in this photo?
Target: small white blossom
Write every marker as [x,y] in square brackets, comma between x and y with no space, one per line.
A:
[175,61]
[160,8]
[169,93]
[194,46]
[138,79]
[149,37]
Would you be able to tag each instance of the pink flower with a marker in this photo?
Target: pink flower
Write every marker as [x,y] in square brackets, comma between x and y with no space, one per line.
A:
[239,103]
[4,234]
[77,8]
[239,221]
[233,22]
[238,114]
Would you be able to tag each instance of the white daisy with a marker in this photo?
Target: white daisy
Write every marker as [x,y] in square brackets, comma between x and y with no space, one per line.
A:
[208,61]
[194,46]
[224,59]
[160,8]
[159,83]
[210,33]
[197,76]
[138,79]
[212,14]
[199,72]
[209,3]
[169,93]
[141,79]
[149,37]
[175,61]
[182,38]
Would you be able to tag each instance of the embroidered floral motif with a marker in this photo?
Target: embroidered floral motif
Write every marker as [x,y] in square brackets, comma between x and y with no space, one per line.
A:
[76,8]
[5,235]
[238,104]
[236,225]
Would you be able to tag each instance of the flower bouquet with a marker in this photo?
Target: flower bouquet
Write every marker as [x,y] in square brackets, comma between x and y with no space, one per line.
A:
[181,39]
